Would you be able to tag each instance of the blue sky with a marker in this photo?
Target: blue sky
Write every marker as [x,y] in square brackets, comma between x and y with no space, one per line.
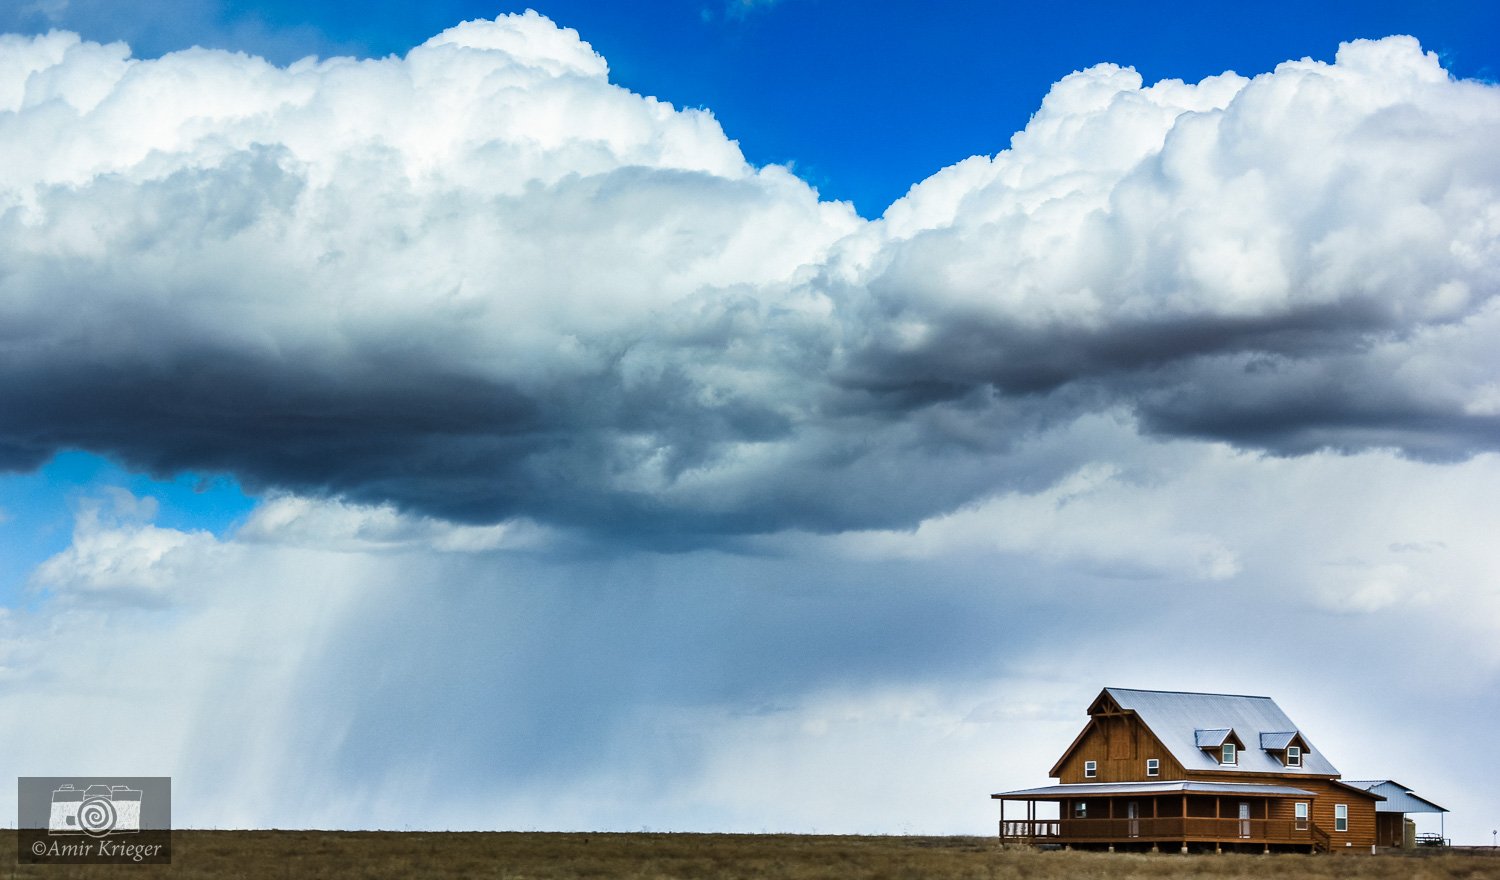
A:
[828,398]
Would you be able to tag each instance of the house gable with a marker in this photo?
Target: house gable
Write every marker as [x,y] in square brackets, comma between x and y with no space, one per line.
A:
[1120,747]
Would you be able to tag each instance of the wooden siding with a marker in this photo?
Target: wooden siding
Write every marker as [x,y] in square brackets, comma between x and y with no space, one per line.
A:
[1201,818]
[1099,741]
[1390,829]
[1326,794]
[1121,744]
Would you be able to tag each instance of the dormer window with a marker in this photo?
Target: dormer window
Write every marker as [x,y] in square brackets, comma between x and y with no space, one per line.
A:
[1221,743]
[1286,746]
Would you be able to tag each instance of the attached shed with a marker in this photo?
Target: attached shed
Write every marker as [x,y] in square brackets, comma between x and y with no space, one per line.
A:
[1391,824]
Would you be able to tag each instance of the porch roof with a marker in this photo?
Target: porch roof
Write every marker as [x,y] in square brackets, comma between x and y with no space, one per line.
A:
[1123,789]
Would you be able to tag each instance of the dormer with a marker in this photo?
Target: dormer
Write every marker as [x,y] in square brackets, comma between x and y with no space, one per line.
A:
[1288,747]
[1222,743]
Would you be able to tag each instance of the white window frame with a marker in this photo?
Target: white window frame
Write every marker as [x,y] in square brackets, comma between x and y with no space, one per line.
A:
[1153,766]
[1340,817]
[1228,754]
[1294,756]
[1090,769]
[1300,813]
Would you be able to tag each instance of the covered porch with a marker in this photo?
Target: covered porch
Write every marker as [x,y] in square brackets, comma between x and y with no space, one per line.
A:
[1157,815]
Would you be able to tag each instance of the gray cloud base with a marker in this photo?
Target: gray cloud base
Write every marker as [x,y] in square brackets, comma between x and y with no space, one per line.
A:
[481,282]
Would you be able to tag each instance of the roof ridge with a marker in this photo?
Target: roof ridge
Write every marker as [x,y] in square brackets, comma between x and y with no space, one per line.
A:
[1189,693]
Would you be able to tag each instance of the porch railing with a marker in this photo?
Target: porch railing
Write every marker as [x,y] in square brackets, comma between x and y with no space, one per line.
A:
[1155,829]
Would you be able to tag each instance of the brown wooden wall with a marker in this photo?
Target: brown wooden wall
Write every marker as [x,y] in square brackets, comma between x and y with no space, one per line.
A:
[1361,831]
[1390,829]
[1121,744]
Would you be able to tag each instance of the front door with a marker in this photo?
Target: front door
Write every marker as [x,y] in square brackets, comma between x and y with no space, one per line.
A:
[1133,819]
[1244,818]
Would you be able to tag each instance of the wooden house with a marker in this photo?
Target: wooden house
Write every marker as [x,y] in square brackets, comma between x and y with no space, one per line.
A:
[1165,769]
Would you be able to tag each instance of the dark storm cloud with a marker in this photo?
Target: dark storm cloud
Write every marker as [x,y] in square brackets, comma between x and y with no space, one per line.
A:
[480,282]
[1293,407]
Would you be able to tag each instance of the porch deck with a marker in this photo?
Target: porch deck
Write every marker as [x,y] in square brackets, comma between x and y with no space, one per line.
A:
[1169,829]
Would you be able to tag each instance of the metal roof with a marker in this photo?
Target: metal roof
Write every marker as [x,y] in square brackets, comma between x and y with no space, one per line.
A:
[1398,798]
[1278,740]
[1177,718]
[1211,739]
[1094,789]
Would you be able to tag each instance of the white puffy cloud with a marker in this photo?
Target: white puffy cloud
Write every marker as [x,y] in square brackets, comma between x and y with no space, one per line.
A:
[481,282]
[118,554]
[1247,259]
[336,525]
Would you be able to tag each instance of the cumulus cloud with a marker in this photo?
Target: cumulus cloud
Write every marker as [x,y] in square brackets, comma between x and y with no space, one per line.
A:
[1255,260]
[118,555]
[480,282]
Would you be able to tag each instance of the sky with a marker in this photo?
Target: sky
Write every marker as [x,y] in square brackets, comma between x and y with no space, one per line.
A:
[737,416]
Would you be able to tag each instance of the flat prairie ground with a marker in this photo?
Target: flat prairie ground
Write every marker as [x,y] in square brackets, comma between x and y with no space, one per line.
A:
[647,856]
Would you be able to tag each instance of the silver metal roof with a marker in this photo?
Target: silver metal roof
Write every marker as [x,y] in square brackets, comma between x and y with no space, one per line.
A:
[1278,740]
[1097,789]
[1211,739]
[1177,717]
[1398,798]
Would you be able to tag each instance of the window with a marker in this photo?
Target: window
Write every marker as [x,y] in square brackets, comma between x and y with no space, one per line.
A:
[1080,809]
[1090,769]
[1300,811]
[1153,767]
[1226,755]
[1340,817]
[1294,756]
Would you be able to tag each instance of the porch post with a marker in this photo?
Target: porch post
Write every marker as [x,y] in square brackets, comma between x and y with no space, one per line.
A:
[1184,823]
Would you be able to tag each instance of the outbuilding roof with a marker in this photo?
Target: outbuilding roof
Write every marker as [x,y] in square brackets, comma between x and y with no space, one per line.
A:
[1179,719]
[1398,798]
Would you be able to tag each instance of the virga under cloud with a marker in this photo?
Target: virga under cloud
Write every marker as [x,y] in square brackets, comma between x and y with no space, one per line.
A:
[481,282]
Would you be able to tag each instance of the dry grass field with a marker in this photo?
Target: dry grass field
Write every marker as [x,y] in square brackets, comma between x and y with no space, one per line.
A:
[266,855]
